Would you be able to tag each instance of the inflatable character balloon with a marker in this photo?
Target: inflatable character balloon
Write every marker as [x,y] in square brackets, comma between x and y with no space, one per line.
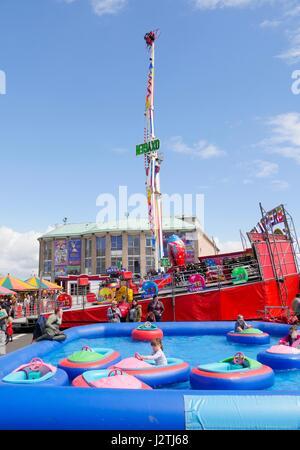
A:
[176,251]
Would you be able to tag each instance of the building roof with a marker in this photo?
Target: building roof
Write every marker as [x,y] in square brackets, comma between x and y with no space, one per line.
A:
[79,229]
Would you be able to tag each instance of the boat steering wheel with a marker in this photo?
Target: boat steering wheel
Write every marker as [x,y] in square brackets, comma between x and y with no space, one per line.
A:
[138,356]
[148,325]
[86,348]
[239,358]
[36,364]
[115,371]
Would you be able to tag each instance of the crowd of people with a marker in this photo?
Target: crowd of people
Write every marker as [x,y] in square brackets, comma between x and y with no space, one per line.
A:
[132,312]
[26,302]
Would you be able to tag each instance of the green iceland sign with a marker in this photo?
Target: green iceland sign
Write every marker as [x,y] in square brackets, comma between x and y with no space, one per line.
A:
[165,262]
[148,147]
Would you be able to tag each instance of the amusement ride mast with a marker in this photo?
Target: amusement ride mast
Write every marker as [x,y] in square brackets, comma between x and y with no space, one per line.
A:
[152,159]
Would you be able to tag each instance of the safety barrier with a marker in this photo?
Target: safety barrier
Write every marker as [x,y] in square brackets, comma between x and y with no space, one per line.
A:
[140,410]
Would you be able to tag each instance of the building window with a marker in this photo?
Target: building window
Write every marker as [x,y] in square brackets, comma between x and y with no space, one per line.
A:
[134,259]
[88,256]
[101,266]
[100,246]
[116,261]
[149,248]
[116,243]
[134,265]
[47,258]
[134,245]
[100,255]
[47,268]
[150,263]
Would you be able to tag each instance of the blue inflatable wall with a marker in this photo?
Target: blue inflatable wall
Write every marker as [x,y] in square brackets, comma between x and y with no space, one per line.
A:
[71,408]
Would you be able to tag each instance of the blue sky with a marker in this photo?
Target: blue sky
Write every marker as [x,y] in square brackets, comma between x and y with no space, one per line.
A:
[73,111]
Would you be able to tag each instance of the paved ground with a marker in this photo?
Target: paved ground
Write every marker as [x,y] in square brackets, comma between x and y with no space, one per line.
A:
[19,341]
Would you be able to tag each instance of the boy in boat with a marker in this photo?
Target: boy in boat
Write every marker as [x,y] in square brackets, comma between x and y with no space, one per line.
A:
[158,355]
[291,338]
[240,324]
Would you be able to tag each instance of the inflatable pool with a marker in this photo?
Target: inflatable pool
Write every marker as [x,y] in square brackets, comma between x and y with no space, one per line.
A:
[88,359]
[109,379]
[139,409]
[147,332]
[237,372]
[280,357]
[249,336]
[177,371]
[37,372]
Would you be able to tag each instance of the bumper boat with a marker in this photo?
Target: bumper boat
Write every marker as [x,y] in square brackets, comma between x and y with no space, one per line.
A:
[89,359]
[37,372]
[176,371]
[237,372]
[280,357]
[249,336]
[147,332]
[109,379]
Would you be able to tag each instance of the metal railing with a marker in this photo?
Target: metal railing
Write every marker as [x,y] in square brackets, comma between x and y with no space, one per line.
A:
[218,275]
[22,311]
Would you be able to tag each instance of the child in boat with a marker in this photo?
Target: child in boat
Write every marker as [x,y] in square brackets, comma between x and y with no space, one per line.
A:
[158,355]
[240,324]
[291,338]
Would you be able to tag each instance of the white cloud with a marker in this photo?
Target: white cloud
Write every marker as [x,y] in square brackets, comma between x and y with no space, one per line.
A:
[19,252]
[120,150]
[258,169]
[292,54]
[101,7]
[279,185]
[270,24]
[214,4]
[293,11]
[285,136]
[228,246]
[264,169]
[201,149]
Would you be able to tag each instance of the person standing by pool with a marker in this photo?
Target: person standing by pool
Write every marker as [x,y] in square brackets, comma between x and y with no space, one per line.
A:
[113,313]
[240,324]
[158,355]
[296,306]
[3,317]
[9,330]
[2,342]
[157,308]
[124,308]
[135,313]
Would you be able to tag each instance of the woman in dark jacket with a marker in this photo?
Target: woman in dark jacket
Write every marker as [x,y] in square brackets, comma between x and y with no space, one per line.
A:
[157,308]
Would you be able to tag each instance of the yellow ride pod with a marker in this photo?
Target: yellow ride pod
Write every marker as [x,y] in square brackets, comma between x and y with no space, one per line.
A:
[106,294]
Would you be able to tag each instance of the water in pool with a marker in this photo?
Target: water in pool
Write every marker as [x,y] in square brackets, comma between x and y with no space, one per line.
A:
[193,349]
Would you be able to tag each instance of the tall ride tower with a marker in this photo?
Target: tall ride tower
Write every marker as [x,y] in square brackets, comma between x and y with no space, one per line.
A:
[152,158]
